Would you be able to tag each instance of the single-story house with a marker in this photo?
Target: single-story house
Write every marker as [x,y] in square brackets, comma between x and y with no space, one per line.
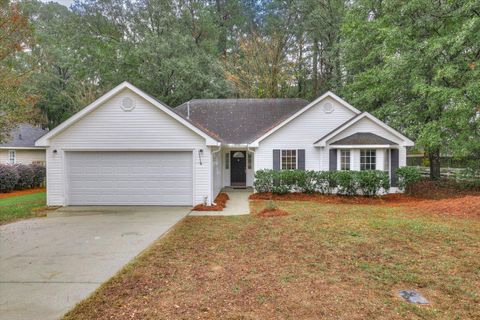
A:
[127,148]
[20,146]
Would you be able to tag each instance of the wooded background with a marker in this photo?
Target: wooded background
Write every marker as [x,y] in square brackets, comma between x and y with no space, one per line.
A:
[414,64]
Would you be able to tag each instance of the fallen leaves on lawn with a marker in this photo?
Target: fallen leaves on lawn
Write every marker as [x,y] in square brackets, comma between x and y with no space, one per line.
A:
[272,212]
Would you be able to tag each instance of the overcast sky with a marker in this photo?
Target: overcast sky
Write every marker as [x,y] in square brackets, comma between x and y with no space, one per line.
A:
[66,3]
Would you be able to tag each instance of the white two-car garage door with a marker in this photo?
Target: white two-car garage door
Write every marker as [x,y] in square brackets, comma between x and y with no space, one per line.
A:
[129,178]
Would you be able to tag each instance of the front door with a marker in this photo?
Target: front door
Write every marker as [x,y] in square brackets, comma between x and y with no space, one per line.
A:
[238,175]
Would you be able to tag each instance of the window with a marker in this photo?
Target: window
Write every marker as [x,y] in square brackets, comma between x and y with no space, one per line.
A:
[368,159]
[249,160]
[12,156]
[344,159]
[227,160]
[289,160]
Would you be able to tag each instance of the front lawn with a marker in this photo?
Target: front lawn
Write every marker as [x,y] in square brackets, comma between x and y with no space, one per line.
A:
[20,207]
[322,261]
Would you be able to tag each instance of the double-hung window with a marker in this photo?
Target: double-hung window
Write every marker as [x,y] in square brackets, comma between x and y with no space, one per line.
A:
[12,156]
[288,160]
[368,159]
[345,159]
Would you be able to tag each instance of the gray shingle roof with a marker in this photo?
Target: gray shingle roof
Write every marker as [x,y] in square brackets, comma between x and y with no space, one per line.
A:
[362,138]
[24,136]
[238,121]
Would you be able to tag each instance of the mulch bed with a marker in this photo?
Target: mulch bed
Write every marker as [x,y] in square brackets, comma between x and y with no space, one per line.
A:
[21,192]
[437,199]
[220,200]
[272,212]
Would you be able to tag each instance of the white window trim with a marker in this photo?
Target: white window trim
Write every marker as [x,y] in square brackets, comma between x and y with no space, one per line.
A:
[339,160]
[296,158]
[10,153]
[376,158]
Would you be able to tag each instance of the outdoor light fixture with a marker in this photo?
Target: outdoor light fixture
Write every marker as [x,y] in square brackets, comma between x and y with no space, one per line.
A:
[200,153]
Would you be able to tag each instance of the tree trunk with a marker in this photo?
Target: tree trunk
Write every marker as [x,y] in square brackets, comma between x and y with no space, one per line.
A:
[434,158]
[315,69]
[300,68]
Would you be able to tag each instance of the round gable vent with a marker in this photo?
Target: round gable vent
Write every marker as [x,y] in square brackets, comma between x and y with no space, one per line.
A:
[128,104]
[328,107]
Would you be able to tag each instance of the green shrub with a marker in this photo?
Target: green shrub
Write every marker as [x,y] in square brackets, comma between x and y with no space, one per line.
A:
[25,177]
[39,173]
[271,205]
[285,181]
[307,181]
[347,182]
[8,177]
[408,176]
[370,182]
[326,181]
[264,181]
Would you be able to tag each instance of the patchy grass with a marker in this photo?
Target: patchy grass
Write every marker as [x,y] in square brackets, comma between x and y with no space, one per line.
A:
[322,261]
[20,207]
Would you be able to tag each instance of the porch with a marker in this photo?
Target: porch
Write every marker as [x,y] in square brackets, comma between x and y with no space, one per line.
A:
[233,168]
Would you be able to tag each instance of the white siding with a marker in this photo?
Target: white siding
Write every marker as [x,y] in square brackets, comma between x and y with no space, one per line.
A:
[301,133]
[24,156]
[110,128]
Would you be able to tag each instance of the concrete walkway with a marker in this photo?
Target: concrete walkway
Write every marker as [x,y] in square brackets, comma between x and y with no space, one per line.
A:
[48,265]
[236,206]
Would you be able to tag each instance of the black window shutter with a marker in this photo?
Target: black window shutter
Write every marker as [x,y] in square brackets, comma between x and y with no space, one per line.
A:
[301,159]
[276,159]
[395,162]
[333,160]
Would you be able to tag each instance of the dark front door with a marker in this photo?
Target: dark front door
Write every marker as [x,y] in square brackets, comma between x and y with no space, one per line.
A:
[238,175]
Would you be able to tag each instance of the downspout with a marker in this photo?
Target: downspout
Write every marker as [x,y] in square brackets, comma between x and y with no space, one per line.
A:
[213,152]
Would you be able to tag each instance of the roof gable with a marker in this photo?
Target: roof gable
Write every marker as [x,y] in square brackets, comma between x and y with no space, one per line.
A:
[314,103]
[44,141]
[322,142]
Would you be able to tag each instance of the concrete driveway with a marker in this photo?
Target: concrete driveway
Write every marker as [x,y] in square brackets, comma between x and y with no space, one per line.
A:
[47,265]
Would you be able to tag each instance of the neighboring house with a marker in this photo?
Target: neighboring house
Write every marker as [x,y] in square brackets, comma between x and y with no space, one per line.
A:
[20,146]
[127,148]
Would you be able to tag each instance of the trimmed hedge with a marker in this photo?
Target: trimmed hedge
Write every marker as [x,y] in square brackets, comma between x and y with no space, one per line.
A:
[39,174]
[368,183]
[8,177]
[25,177]
[20,176]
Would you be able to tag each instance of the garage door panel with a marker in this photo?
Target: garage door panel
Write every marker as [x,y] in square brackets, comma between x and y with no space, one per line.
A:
[129,178]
